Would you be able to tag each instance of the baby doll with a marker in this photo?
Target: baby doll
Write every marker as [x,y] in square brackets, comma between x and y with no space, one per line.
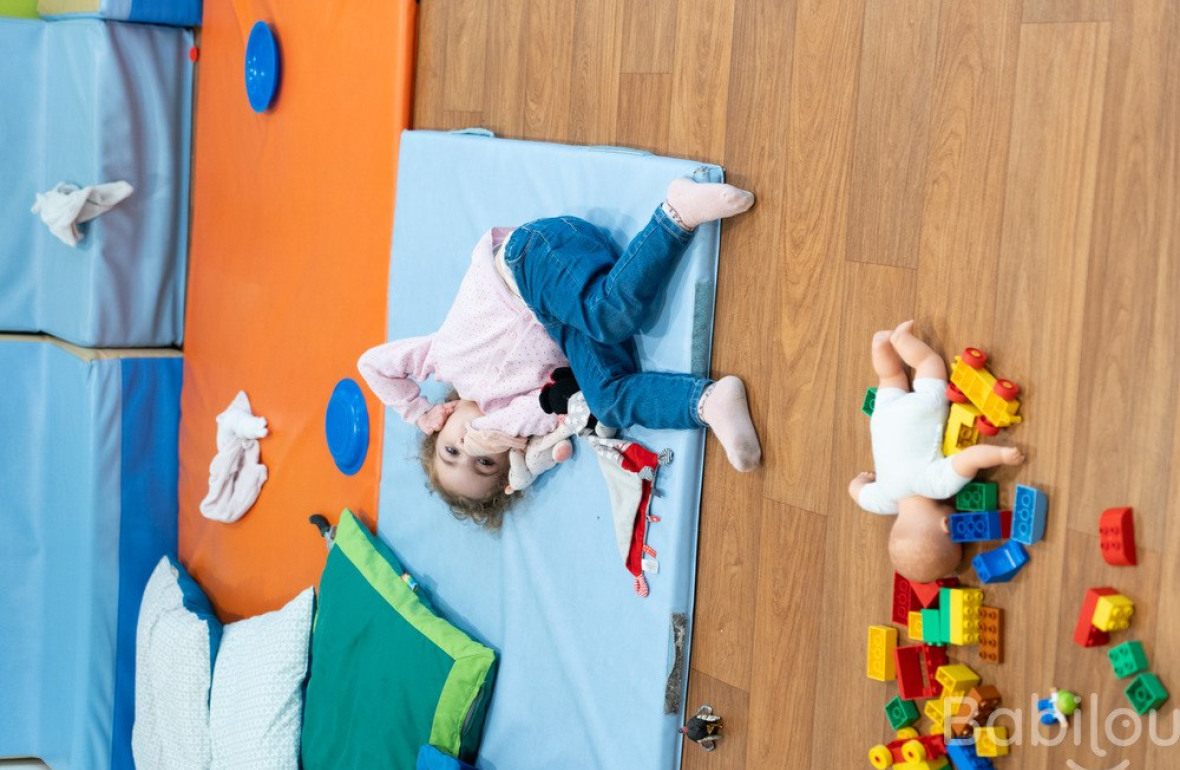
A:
[553,293]
[912,477]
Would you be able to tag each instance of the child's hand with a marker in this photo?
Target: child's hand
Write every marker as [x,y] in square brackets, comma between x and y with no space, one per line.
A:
[436,417]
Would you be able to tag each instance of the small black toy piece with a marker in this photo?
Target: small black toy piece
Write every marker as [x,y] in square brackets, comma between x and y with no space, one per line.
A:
[704,728]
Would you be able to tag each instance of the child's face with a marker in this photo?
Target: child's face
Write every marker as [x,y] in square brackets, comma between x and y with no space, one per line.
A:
[463,472]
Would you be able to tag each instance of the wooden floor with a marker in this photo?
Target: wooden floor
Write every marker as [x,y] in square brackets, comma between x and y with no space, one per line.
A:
[1006,173]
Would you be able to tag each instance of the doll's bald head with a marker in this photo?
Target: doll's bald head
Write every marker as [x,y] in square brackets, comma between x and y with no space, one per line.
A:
[919,546]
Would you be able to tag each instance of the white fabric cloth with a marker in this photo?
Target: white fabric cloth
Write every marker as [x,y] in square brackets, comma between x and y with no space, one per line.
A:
[906,429]
[236,474]
[256,706]
[66,206]
[173,676]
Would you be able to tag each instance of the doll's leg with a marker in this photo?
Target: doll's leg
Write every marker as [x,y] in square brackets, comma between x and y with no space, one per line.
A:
[980,457]
[887,363]
[926,363]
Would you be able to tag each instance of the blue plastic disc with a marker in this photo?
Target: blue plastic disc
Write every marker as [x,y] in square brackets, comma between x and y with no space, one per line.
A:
[346,427]
[262,67]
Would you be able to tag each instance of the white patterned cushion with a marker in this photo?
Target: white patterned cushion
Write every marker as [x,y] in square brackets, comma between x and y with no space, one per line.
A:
[256,711]
[176,642]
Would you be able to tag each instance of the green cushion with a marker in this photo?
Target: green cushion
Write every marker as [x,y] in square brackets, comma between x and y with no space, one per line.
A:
[26,9]
[387,674]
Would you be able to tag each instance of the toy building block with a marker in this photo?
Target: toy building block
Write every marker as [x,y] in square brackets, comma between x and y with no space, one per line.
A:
[900,713]
[928,593]
[1116,531]
[974,526]
[880,757]
[903,599]
[908,664]
[1000,565]
[882,643]
[1085,634]
[1029,507]
[1127,659]
[870,403]
[974,710]
[1146,693]
[961,608]
[916,755]
[935,711]
[956,679]
[995,398]
[934,658]
[1113,613]
[915,666]
[963,756]
[960,429]
[1005,525]
[914,626]
[991,634]
[991,741]
[978,496]
[932,627]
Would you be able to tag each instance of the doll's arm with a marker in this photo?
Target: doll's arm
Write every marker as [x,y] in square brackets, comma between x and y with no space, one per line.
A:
[393,371]
[870,496]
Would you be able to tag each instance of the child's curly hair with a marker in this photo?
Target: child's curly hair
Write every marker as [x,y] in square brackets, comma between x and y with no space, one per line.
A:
[487,513]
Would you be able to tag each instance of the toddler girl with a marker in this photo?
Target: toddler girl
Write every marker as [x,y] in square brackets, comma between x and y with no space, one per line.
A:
[553,293]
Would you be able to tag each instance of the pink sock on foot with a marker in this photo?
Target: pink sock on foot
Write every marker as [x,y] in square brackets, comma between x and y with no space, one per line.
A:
[724,409]
[693,203]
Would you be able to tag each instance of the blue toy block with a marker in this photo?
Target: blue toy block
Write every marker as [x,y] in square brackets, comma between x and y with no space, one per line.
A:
[1028,514]
[962,755]
[1000,564]
[975,526]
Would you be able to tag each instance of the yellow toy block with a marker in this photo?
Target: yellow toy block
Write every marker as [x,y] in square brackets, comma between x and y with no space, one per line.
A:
[991,741]
[1113,613]
[979,386]
[882,643]
[956,680]
[934,712]
[960,429]
[924,764]
[915,626]
[964,609]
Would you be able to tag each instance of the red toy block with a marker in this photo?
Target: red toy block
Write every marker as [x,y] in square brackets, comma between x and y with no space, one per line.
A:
[934,656]
[935,747]
[1005,525]
[910,684]
[1085,634]
[927,593]
[903,600]
[1116,529]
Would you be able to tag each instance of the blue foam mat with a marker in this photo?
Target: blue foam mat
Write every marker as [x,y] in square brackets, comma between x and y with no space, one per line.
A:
[586,663]
[86,102]
[89,506]
[178,13]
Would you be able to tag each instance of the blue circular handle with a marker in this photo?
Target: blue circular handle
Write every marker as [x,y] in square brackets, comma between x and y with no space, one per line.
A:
[262,67]
[346,427]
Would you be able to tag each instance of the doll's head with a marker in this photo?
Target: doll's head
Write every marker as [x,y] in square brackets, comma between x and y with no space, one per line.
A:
[919,546]
[472,485]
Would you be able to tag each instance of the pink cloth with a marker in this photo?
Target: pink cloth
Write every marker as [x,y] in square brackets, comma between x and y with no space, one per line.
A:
[490,348]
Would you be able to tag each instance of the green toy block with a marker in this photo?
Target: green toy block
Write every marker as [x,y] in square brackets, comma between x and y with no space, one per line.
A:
[870,402]
[1146,693]
[978,496]
[900,713]
[933,631]
[1128,659]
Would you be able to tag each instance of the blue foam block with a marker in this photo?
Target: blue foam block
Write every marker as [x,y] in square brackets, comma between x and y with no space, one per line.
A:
[87,102]
[550,592]
[1029,509]
[975,527]
[1000,564]
[89,506]
[178,13]
[962,755]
